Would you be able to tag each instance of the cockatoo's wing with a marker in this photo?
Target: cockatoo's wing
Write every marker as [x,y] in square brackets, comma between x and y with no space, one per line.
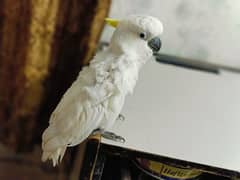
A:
[79,112]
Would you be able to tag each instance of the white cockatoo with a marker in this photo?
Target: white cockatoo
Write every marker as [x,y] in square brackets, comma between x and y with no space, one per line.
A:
[95,99]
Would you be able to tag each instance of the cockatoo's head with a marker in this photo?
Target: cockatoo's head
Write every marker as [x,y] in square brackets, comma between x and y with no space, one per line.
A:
[136,35]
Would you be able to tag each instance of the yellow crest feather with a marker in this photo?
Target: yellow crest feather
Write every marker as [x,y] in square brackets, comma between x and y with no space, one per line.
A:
[112,22]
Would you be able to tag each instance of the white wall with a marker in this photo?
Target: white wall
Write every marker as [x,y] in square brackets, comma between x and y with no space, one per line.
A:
[207,30]
[181,113]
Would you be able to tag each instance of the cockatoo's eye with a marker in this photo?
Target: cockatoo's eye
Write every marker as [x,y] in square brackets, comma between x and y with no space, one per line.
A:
[143,35]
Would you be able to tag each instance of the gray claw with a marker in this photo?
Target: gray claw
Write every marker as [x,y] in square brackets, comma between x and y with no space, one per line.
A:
[121,117]
[120,139]
[113,137]
[97,131]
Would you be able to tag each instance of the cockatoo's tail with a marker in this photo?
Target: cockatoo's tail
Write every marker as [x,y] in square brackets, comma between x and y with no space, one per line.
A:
[96,97]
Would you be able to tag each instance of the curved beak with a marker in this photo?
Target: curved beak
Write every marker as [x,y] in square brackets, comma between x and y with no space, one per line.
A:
[155,44]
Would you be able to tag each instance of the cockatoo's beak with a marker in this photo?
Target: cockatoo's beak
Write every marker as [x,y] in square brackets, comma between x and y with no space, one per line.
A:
[155,44]
[112,22]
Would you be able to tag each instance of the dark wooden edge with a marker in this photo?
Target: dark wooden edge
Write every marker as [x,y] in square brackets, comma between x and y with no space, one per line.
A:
[99,166]
[90,158]
[132,154]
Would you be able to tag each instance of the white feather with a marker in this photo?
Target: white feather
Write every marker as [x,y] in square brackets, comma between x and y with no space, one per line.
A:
[96,97]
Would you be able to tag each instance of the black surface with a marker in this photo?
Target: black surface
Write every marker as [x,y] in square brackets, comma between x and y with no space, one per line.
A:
[118,168]
[132,154]
[89,161]
[107,162]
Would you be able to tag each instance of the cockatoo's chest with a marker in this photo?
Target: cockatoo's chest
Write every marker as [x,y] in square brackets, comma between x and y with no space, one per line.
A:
[124,81]
[126,76]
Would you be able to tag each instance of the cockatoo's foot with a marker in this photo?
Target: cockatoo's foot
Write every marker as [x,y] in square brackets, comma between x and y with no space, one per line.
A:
[97,131]
[112,136]
[108,135]
[121,117]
